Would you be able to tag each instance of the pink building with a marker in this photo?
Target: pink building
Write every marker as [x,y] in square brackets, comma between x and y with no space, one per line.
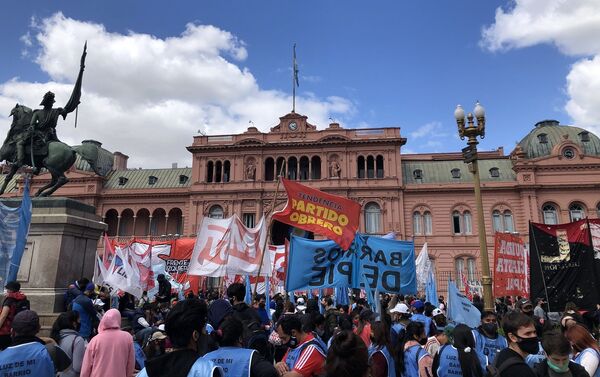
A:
[428,197]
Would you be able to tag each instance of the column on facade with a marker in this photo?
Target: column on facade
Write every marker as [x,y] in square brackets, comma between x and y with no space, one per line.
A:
[134,219]
[118,224]
[149,223]
[167,221]
[309,168]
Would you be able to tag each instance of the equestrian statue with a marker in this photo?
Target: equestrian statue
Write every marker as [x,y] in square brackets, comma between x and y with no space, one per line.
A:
[32,140]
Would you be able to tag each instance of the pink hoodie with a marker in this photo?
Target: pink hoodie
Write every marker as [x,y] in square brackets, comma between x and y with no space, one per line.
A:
[110,353]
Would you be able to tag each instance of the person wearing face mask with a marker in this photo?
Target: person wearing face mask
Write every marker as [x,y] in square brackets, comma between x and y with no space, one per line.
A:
[487,340]
[381,360]
[235,360]
[305,356]
[412,360]
[64,333]
[400,318]
[522,341]
[184,326]
[585,349]
[557,363]
[459,359]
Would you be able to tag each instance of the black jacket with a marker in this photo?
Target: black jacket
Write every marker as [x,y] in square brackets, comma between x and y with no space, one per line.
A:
[541,370]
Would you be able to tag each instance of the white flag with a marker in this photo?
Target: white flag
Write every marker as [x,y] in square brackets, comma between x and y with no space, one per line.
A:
[423,265]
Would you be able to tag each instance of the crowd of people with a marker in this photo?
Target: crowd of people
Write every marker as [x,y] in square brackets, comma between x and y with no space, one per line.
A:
[102,334]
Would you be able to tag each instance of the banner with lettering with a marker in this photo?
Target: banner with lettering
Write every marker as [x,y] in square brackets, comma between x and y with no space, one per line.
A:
[510,266]
[460,308]
[329,215]
[226,247]
[370,262]
[562,265]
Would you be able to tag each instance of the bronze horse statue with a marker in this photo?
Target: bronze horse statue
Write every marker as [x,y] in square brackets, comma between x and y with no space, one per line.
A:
[58,159]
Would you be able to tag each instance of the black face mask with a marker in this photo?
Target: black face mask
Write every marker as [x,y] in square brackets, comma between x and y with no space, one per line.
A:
[529,345]
[292,343]
[261,305]
[490,328]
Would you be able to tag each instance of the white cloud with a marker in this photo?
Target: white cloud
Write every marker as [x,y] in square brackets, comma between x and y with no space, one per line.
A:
[146,96]
[431,129]
[573,27]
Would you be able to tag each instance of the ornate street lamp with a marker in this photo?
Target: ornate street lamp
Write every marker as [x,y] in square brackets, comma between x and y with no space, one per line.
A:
[471,132]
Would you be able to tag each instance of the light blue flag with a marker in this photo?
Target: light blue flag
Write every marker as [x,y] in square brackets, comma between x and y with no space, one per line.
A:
[14,229]
[461,309]
[321,307]
[431,289]
[292,297]
[248,298]
[309,295]
[268,298]
[341,296]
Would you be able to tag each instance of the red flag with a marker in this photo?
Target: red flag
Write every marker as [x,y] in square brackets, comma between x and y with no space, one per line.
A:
[109,252]
[510,266]
[329,215]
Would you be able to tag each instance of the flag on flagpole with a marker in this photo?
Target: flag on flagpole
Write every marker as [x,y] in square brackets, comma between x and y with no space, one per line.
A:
[431,289]
[295,68]
[248,298]
[268,298]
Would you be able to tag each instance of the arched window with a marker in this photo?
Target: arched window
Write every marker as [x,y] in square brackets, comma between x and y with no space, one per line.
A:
[455,173]
[269,169]
[379,166]
[226,171]
[315,167]
[417,223]
[372,218]
[304,168]
[456,226]
[494,172]
[209,171]
[459,268]
[509,225]
[468,222]
[370,167]
[360,167]
[428,221]
[218,171]
[497,221]
[216,212]
[576,212]
[292,168]
[418,174]
[550,214]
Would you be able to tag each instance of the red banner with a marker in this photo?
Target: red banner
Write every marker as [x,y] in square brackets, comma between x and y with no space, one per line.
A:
[315,211]
[510,266]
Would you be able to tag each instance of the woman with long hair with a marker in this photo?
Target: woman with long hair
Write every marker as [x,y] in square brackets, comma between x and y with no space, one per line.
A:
[412,360]
[64,332]
[363,325]
[347,356]
[585,348]
[463,350]
[380,359]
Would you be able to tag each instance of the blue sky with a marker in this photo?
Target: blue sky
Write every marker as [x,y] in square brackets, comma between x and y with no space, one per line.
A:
[365,64]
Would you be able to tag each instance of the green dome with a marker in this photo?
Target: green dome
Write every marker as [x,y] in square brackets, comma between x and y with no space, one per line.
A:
[548,133]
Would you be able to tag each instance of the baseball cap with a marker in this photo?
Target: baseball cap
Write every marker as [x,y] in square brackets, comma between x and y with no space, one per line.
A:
[522,303]
[158,335]
[90,287]
[418,304]
[436,311]
[401,308]
[300,301]
[26,322]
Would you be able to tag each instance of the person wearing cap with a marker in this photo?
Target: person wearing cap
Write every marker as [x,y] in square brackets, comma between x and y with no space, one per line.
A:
[539,309]
[14,301]
[111,352]
[488,343]
[300,305]
[418,316]
[155,346]
[439,318]
[88,316]
[29,355]
[400,314]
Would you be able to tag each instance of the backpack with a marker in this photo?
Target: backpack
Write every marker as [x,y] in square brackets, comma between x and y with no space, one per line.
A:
[21,305]
[495,371]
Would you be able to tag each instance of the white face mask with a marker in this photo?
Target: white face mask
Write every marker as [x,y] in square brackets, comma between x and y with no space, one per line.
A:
[5,292]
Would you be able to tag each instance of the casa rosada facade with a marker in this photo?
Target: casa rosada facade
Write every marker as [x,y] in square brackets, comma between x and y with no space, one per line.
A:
[552,176]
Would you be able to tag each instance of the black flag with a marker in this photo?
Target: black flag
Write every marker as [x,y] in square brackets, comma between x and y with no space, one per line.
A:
[562,265]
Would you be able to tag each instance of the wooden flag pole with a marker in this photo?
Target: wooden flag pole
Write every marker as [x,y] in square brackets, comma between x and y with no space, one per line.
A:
[271,210]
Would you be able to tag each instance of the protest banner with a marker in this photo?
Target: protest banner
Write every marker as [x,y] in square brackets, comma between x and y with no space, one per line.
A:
[510,266]
[562,265]
[461,309]
[370,262]
[14,228]
[226,247]
[332,216]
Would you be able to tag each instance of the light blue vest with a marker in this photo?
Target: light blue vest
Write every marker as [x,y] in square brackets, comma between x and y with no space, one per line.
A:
[391,366]
[29,359]
[423,319]
[595,353]
[395,332]
[85,330]
[294,353]
[449,363]
[533,360]
[411,360]
[201,368]
[488,348]
[235,361]
[140,356]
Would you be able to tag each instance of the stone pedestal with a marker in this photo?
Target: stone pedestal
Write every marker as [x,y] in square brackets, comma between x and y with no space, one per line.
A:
[61,247]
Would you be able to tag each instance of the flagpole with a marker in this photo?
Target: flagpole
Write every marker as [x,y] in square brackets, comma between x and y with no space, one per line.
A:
[294,80]
[264,246]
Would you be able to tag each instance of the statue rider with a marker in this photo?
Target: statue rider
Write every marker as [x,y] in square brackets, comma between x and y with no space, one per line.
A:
[42,127]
